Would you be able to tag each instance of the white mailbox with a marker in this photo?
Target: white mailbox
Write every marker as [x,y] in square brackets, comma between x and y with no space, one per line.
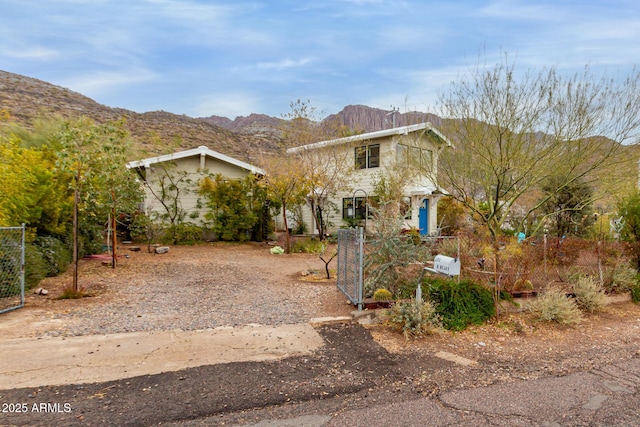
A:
[446,265]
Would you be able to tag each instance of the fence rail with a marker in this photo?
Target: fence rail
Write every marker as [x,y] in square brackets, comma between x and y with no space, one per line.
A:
[12,268]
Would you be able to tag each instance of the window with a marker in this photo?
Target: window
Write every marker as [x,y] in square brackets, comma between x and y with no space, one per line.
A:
[363,207]
[422,157]
[367,156]
[360,211]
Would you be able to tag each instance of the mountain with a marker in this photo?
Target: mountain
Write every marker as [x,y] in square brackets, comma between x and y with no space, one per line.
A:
[357,117]
[26,99]
[368,119]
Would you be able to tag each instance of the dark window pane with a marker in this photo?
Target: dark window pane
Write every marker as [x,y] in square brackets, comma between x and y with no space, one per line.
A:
[374,156]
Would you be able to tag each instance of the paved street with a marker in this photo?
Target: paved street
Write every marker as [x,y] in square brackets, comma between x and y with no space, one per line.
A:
[339,377]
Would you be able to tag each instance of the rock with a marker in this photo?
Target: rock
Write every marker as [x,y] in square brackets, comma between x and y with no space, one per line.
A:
[41,291]
[162,249]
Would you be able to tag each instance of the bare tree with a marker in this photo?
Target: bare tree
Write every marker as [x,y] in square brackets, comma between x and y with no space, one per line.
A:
[514,133]
[327,169]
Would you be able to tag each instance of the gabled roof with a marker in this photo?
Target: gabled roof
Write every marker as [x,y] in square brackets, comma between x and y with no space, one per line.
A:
[404,130]
[191,153]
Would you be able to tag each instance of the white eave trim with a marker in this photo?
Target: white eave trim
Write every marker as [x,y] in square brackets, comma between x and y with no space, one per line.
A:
[404,130]
[202,150]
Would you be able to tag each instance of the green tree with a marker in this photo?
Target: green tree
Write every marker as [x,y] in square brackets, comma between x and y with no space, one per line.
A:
[629,209]
[232,209]
[569,209]
[94,155]
[31,192]
[286,185]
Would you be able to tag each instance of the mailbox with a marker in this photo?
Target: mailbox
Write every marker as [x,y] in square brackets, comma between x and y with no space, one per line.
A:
[446,265]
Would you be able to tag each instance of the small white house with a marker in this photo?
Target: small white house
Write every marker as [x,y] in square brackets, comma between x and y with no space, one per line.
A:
[373,152]
[189,167]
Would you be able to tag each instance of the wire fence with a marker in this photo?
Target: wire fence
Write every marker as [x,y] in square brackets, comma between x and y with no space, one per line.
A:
[536,263]
[12,268]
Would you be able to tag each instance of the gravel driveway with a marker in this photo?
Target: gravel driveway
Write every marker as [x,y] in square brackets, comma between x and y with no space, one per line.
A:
[189,288]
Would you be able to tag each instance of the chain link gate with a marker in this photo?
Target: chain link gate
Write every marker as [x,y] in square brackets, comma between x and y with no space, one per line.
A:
[350,264]
[11,268]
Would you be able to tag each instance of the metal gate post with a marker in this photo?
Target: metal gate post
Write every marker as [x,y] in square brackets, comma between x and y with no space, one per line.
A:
[359,267]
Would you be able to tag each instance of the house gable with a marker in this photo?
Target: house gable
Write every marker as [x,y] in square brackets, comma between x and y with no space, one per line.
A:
[190,166]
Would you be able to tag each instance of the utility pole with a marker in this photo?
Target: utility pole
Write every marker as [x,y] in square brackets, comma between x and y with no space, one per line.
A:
[393,113]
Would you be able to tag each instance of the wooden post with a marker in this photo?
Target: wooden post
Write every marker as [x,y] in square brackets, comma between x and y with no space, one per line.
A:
[114,238]
[75,239]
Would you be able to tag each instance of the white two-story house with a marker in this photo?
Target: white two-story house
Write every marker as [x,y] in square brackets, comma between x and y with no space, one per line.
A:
[416,146]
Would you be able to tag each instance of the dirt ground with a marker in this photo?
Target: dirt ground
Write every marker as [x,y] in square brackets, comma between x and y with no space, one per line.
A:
[357,367]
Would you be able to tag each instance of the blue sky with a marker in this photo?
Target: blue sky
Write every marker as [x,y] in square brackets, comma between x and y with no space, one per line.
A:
[236,57]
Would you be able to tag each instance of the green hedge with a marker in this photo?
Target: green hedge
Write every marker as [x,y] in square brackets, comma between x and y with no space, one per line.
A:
[459,304]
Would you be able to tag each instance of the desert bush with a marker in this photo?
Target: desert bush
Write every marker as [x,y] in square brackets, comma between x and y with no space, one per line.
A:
[589,293]
[391,258]
[382,295]
[553,305]
[620,278]
[70,293]
[415,318]
[459,304]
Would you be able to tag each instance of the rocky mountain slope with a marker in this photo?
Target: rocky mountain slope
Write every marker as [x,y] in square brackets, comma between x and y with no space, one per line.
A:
[26,99]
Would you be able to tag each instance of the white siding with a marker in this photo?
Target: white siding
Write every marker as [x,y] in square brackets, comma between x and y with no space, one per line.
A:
[363,181]
[189,197]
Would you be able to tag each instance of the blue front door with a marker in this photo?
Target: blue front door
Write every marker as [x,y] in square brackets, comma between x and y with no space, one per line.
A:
[423,217]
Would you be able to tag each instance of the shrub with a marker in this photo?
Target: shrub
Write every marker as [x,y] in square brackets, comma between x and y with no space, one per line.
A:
[589,294]
[185,233]
[553,305]
[308,246]
[382,295]
[70,293]
[35,266]
[621,278]
[391,257]
[56,254]
[415,318]
[635,291]
[460,303]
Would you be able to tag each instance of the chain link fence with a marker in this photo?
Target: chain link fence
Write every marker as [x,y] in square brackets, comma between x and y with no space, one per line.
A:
[350,264]
[12,268]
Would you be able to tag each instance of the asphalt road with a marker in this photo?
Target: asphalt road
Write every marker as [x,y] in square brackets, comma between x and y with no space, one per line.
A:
[348,381]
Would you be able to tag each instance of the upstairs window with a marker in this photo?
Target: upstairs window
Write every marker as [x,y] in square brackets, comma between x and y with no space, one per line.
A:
[367,156]
[420,157]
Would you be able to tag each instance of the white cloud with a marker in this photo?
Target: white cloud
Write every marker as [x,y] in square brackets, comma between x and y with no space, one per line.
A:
[282,64]
[96,84]
[32,53]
